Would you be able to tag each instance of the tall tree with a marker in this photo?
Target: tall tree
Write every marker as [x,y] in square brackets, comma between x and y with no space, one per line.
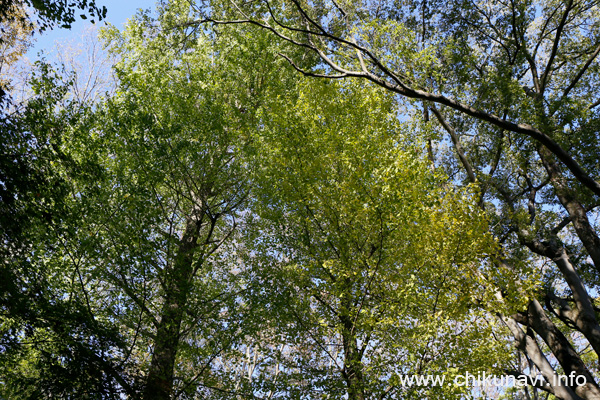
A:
[52,341]
[359,252]
[146,187]
[126,232]
[180,166]
[514,87]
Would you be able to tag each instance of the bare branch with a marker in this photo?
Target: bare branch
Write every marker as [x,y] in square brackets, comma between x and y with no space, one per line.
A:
[581,72]
[557,37]
[457,145]
[308,73]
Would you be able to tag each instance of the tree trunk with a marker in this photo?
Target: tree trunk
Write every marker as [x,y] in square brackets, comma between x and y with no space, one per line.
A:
[353,367]
[529,346]
[561,348]
[574,208]
[159,385]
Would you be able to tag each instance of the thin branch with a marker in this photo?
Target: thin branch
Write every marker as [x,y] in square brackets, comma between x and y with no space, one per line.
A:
[308,73]
[581,72]
[557,37]
[457,145]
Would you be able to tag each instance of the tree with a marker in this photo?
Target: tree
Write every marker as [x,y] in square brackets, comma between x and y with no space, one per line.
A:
[513,85]
[147,184]
[16,39]
[52,344]
[264,243]
[359,250]
[154,181]
[180,167]
[17,26]
[50,13]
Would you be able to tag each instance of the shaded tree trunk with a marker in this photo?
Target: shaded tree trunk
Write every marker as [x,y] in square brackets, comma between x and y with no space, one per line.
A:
[561,348]
[353,367]
[159,384]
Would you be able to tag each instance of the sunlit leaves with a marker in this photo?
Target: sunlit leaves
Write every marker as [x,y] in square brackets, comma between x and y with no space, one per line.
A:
[364,231]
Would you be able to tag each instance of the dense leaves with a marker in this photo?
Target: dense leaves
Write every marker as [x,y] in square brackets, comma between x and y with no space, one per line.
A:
[51,13]
[363,246]
[221,226]
[513,88]
[52,341]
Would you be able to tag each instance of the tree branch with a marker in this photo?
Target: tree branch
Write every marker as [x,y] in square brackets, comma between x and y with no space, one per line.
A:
[457,145]
[557,37]
[581,72]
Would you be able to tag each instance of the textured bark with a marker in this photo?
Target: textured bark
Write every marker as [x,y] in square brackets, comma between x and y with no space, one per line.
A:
[577,212]
[159,384]
[529,346]
[562,350]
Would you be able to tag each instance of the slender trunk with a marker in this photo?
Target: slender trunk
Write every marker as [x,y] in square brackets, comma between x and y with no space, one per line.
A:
[585,318]
[353,367]
[159,385]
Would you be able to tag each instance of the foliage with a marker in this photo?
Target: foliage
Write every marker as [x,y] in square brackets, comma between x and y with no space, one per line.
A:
[16,39]
[359,250]
[52,341]
[513,87]
[222,227]
[51,13]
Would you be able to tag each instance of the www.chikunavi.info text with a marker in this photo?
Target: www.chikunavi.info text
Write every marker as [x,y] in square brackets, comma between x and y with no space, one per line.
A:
[483,379]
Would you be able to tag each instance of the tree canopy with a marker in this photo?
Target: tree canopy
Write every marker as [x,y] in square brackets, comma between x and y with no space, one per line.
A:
[309,200]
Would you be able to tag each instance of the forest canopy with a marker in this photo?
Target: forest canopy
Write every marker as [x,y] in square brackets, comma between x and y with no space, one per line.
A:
[306,200]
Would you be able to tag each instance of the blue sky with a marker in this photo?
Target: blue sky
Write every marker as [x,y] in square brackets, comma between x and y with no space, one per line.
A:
[118,11]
